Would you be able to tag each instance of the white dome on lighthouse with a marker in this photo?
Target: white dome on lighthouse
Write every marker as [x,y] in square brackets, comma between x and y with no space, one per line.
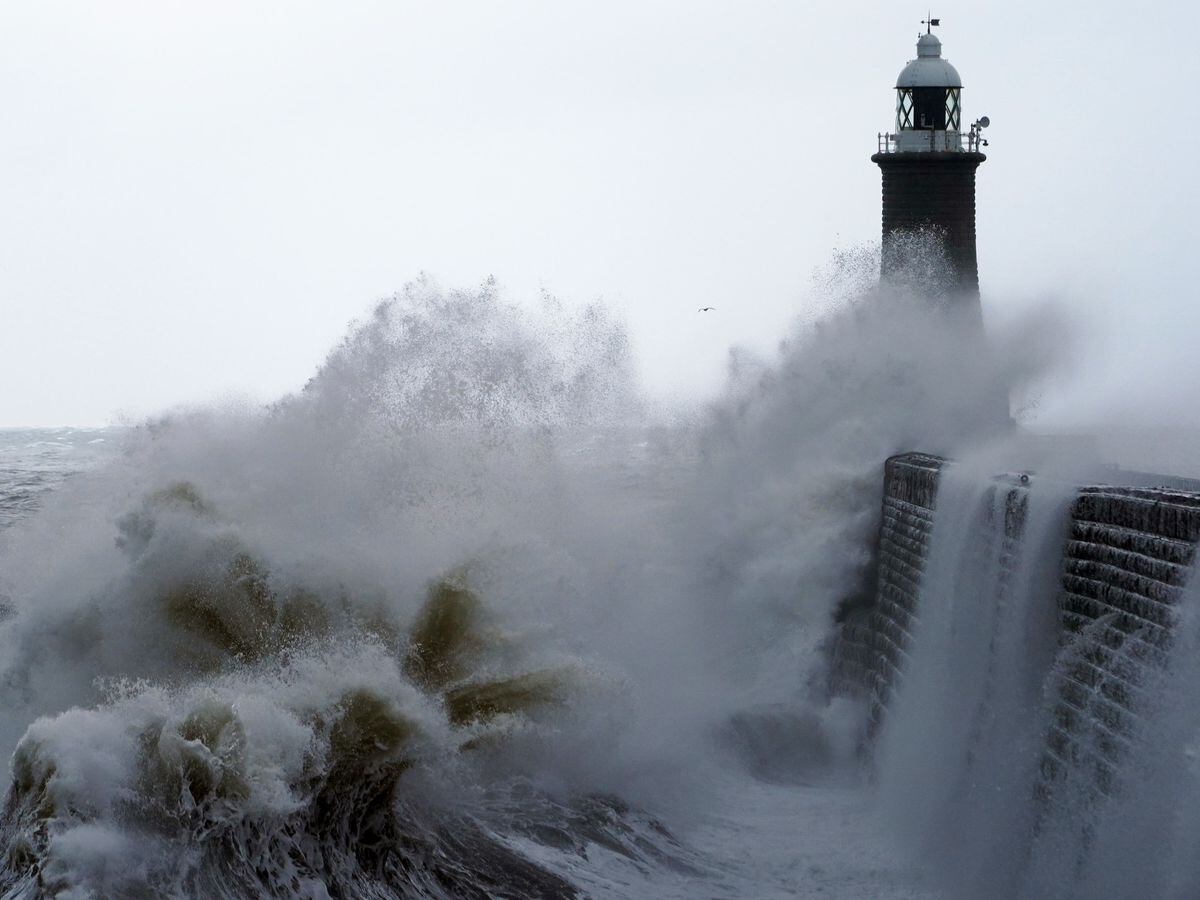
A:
[929,69]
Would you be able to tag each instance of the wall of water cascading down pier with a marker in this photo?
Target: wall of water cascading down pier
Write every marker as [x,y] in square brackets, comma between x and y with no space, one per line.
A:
[1014,658]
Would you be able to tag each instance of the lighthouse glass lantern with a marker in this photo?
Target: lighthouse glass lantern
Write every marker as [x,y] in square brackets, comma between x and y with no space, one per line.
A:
[928,101]
[928,108]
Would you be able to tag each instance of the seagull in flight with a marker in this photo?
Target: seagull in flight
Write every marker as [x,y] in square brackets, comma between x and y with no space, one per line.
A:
[706,308]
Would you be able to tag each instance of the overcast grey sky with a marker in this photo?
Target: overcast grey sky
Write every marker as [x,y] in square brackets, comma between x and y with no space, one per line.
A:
[198,197]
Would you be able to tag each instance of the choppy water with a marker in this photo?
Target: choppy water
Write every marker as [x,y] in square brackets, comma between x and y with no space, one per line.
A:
[34,461]
[466,617]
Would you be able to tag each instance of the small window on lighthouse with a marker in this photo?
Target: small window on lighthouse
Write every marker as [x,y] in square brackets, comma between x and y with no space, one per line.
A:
[904,109]
[953,110]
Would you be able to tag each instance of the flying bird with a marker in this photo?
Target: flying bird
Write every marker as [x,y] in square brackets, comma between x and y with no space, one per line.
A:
[705,308]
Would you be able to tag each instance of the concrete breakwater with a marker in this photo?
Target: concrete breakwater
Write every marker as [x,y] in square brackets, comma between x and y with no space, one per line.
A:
[1125,555]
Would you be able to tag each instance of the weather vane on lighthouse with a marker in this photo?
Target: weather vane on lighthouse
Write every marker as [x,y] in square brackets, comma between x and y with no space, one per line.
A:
[928,165]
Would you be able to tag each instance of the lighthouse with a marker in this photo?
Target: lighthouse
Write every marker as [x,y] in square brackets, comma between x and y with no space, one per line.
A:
[928,165]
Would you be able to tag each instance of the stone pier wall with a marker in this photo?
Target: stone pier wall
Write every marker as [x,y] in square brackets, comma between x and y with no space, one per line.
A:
[1128,554]
[869,653]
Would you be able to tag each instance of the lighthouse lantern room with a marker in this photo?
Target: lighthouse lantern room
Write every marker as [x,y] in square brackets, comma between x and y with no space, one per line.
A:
[928,99]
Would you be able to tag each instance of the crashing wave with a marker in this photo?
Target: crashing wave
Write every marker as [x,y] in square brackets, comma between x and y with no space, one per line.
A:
[283,768]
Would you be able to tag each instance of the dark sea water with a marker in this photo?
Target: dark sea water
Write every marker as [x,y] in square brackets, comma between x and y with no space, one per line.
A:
[36,461]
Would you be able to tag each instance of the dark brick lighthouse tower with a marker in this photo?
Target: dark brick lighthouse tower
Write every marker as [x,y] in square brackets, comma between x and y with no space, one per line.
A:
[928,169]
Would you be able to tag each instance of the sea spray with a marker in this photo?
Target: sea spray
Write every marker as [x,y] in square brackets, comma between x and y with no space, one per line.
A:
[243,546]
[789,478]
[452,618]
